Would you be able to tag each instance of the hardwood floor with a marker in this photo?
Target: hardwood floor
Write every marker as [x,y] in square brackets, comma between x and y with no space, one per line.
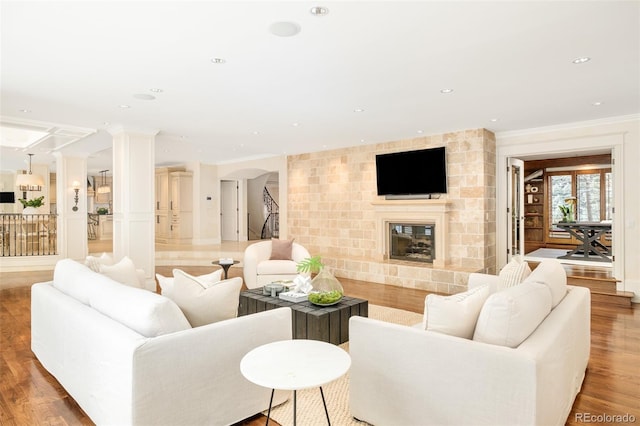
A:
[30,396]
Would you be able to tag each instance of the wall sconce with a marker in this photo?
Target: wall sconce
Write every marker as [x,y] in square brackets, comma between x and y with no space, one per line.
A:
[76,188]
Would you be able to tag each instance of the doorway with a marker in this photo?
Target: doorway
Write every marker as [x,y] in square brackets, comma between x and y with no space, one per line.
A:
[229,210]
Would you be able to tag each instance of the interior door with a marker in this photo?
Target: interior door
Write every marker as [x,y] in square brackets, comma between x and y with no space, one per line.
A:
[515,208]
[229,210]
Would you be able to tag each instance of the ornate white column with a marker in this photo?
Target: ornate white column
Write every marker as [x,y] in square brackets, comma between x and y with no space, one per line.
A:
[134,197]
[72,224]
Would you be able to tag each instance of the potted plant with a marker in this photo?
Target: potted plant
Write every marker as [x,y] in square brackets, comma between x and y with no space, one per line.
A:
[567,213]
[30,206]
[327,290]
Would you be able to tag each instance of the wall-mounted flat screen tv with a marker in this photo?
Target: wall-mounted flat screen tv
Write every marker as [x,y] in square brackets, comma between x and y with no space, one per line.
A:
[7,197]
[412,173]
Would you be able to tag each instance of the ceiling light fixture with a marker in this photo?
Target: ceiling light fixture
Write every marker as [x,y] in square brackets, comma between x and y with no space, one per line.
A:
[319,11]
[446,90]
[155,90]
[25,110]
[493,120]
[28,181]
[284,29]
[218,61]
[104,188]
[124,106]
[420,132]
[581,60]
[597,103]
[358,110]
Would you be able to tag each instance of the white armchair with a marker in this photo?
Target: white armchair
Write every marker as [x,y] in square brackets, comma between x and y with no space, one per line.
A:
[260,270]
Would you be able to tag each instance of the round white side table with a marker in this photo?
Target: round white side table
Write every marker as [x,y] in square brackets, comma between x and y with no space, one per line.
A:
[293,365]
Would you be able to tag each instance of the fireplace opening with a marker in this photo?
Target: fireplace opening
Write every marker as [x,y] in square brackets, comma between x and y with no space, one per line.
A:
[412,242]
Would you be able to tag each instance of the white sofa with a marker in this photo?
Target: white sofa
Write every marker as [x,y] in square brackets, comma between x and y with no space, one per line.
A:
[408,376]
[129,357]
[260,270]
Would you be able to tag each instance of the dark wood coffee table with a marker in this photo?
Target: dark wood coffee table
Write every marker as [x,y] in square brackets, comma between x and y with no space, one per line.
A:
[326,323]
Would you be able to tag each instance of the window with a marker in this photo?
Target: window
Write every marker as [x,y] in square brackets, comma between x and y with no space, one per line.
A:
[592,190]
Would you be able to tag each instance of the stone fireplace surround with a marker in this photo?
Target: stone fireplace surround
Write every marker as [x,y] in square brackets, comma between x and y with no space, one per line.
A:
[332,203]
[416,212]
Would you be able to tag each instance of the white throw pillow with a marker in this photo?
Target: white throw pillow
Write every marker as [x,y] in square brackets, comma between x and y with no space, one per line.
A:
[455,315]
[123,272]
[551,273]
[508,317]
[513,273]
[166,283]
[145,312]
[204,302]
[94,262]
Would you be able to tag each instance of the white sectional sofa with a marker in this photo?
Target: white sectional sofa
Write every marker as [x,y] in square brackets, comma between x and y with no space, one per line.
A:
[129,356]
[410,376]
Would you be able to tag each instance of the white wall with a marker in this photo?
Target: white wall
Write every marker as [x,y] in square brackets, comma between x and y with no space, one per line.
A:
[622,134]
[206,204]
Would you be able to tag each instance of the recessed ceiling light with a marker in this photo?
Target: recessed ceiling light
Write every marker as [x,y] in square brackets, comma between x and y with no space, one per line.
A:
[446,90]
[493,120]
[255,133]
[295,124]
[144,96]
[581,60]
[125,106]
[319,11]
[597,103]
[25,110]
[156,90]
[284,29]
[218,60]
[358,110]
[420,132]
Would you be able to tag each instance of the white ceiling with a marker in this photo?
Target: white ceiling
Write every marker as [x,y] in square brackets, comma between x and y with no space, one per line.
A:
[74,63]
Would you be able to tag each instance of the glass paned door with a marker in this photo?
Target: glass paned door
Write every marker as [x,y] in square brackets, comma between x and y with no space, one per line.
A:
[515,201]
[588,194]
[560,189]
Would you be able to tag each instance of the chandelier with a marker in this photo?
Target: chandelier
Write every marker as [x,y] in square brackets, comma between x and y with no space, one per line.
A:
[104,188]
[29,181]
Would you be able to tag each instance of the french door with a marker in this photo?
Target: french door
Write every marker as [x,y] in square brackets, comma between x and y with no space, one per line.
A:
[515,208]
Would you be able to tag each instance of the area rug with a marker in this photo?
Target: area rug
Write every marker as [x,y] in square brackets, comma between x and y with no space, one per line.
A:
[545,253]
[309,402]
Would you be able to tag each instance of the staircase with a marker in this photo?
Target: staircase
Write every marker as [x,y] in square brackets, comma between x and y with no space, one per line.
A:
[601,283]
[271,226]
[603,291]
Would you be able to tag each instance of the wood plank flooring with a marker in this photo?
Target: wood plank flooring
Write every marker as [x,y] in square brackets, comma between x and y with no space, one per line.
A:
[30,396]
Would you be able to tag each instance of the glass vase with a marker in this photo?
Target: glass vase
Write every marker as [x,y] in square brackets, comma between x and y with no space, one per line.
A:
[327,290]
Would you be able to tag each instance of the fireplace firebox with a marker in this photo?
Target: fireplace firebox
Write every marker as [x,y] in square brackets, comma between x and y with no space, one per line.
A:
[412,242]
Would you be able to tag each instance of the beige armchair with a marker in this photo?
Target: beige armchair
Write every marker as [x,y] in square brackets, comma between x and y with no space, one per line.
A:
[259,270]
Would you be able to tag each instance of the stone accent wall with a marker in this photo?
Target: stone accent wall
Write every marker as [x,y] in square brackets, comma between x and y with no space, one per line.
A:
[331,212]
